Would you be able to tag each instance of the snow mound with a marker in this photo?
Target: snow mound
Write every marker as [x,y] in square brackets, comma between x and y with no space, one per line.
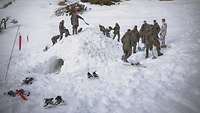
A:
[88,51]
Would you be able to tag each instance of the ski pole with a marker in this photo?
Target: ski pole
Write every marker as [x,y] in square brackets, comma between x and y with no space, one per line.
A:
[85,22]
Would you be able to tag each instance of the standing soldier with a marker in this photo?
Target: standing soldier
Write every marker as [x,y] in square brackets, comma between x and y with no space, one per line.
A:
[116,31]
[163,33]
[62,30]
[152,40]
[156,28]
[135,36]
[3,22]
[75,21]
[142,31]
[127,45]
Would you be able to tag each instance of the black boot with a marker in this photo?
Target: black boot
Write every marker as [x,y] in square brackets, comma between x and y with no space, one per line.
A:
[160,54]
[58,100]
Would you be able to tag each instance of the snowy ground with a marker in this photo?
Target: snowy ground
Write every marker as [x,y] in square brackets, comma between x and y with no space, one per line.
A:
[169,84]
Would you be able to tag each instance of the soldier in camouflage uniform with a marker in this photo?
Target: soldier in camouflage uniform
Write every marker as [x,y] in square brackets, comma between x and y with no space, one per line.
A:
[116,31]
[3,22]
[106,31]
[75,21]
[163,33]
[62,30]
[135,36]
[127,45]
[156,28]
[151,40]
[142,31]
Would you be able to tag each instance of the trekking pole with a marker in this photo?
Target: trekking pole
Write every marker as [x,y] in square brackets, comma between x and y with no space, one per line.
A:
[12,52]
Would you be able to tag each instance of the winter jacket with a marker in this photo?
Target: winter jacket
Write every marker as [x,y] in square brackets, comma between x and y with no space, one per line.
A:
[156,28]
[61,27]
[126,41]
[143,29]
[74,19]
[116,29]
[163,30]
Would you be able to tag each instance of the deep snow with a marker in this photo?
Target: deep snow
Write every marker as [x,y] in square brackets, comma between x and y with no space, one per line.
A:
[169,84]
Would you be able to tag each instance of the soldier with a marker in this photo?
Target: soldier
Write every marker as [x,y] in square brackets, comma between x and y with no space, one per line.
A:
[127,45]
[75,21]
[102,29]
[156,28]
[163,33]
[62,30]
[142,31]
[106,31]
[116,31]
[135,38]
[152,40]
[3,22]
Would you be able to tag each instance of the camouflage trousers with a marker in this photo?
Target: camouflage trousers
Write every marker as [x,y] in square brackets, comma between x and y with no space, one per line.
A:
[127,54]
[118,35]
[75,29]
[149,46]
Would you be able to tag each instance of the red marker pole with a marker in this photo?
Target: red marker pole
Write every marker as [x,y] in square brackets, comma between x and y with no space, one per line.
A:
[20,42]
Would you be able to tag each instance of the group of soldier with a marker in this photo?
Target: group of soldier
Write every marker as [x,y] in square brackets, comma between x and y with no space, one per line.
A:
[149,35]
[63,30]
[106,31]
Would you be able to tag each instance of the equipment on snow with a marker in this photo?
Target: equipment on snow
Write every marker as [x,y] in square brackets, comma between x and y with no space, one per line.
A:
[14,21]
[28,80]
[51,101]
[93,75]
[22,94]
[10,93]
[89,75]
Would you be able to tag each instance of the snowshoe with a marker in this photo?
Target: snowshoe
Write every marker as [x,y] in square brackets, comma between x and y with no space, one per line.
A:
[59,100]
[95,75]
[28,80]
[137,63]
[48,101]
[22,94]
[10,93]
[89,75]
